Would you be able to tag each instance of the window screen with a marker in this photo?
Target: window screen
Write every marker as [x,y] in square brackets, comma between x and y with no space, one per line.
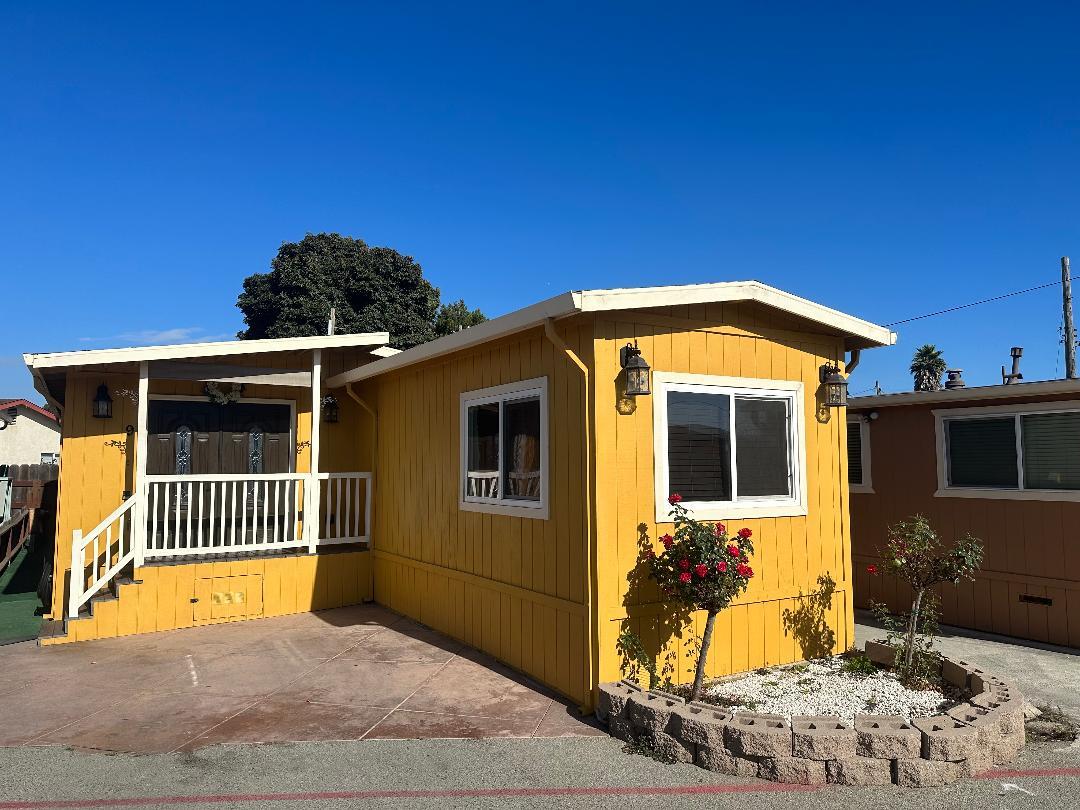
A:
[699,445]
[1051,445]
[982,452]
[761,448]
[854,453]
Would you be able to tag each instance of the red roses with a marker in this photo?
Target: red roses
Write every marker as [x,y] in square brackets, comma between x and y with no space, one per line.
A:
[720,530]
[667,540]
[734,551]
[701,570]
[745,533]
[744,570]
[674,498]
[684,576]
[684,564]
[871,570]
[721,566]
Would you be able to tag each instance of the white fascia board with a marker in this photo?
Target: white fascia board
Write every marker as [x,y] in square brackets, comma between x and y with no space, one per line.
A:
[866,334]
[962,395]
[558,307]
[385,351]
[97,357]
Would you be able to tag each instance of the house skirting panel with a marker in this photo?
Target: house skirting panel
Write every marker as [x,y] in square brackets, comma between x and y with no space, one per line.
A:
[177,595]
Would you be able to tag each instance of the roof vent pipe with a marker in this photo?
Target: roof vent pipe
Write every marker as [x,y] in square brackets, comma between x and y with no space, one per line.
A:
[955,380]
[1016,352]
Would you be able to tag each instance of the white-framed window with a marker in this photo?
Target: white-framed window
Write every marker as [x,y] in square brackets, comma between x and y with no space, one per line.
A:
[1012,452]
[731,447]
[504,450]
[858,454]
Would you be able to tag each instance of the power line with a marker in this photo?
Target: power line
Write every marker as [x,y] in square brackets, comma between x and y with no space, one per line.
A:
[977,303]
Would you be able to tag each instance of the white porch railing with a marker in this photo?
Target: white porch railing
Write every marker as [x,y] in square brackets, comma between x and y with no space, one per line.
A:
[222,514]
[111,545]
[196,515]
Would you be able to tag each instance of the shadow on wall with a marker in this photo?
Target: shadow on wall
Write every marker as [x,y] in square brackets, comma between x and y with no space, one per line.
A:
[809,624]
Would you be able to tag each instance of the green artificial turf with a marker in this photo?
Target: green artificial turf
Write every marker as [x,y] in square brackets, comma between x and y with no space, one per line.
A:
[19,605]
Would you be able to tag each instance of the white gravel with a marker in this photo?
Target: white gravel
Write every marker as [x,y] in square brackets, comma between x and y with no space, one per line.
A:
[821,688]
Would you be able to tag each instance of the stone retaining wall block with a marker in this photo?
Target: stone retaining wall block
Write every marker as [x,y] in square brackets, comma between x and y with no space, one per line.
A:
[720,760]
[886,737]
[984,721]
[1010,713]
[651,711]
[700,724]
[880,653]
[621,728]
[668,747]
[859,772]
[925,773]
[946,739]
[822,738]
[793,770]
[758,735]
[611,701]
[956,672]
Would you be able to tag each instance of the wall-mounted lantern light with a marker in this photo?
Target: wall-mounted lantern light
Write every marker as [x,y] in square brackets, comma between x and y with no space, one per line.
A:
[331,412]
[835,386]
[637,371]
[101,407]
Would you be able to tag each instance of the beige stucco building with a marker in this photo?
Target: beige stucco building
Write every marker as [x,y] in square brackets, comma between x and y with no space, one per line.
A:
[29,434]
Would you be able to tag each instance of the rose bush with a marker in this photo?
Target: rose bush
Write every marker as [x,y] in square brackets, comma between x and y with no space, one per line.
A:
[702,568]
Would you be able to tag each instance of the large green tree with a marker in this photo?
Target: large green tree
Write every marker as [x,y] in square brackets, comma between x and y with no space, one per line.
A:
[373,289]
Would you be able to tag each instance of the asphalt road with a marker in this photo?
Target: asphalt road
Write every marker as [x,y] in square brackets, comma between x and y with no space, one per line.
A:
[567,772]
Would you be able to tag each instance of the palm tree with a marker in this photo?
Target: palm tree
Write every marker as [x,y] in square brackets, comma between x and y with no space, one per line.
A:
[927,366]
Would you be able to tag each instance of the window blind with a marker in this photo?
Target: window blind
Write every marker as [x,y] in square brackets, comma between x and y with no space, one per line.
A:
[761,447]
[1051,446]
[982,452]
[854,453]
[699,445]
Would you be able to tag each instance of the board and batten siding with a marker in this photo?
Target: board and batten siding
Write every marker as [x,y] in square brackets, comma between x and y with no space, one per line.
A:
[734,340]
[513,587]
[1031,547]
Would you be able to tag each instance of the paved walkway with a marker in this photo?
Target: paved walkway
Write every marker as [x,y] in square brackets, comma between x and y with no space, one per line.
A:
[346,674]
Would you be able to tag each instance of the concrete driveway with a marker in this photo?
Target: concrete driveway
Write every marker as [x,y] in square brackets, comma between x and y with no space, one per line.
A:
[347,674]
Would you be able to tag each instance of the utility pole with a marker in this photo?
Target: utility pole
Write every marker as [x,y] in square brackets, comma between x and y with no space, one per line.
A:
[1070,329]
[331,325]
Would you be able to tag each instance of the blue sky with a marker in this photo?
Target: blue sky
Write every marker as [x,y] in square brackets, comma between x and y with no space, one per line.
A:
[885,160]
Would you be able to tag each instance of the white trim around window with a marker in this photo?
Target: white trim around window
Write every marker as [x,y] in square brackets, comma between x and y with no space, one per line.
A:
[862,424]
[790,391]
[1019,493]
[497,504]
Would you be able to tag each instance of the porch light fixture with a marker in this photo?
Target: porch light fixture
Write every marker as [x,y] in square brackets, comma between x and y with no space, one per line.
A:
[331,412]
[835,386]
[101,407]
[637,371]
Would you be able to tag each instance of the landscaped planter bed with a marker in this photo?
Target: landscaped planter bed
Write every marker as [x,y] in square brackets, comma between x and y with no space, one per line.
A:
[985,730]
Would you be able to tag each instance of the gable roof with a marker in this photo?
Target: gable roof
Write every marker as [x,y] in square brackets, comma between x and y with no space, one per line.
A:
[19,402]
[858,334]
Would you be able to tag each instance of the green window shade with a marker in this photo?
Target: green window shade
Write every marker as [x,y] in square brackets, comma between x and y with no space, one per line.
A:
[1051,450]
[982,452]
[854,453]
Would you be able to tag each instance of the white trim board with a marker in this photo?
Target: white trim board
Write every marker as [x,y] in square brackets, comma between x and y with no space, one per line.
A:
[225,348]
[792,390]
[859,333]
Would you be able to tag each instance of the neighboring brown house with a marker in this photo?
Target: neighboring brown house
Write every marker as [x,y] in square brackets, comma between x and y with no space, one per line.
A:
[1001,462]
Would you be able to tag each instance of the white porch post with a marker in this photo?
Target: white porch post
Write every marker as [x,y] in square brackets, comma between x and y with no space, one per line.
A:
[311,527]
[141,427]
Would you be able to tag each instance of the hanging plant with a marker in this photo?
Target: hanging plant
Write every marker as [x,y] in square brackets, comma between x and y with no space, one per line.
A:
[216,395]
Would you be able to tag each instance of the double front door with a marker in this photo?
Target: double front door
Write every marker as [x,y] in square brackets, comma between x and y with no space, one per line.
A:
[197,438]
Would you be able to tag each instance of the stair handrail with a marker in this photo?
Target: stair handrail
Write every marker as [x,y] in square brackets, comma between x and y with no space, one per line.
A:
[80,595]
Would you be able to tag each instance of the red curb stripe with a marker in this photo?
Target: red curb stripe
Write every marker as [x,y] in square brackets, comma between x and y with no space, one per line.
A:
[144,801]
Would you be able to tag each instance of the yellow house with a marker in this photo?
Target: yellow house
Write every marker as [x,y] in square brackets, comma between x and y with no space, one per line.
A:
[497,484]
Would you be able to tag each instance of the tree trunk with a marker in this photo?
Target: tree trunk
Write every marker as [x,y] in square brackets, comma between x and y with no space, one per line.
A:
[706,641]
[913,624]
